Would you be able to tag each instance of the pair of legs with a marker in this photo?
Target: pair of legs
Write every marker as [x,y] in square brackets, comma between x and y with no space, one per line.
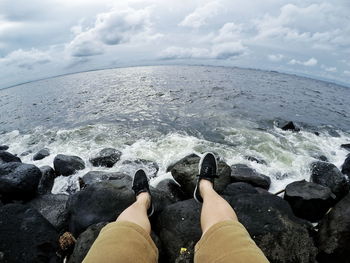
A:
[215,209]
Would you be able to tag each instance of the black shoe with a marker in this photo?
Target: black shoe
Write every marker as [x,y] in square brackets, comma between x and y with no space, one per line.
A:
[140,185]
[207,170]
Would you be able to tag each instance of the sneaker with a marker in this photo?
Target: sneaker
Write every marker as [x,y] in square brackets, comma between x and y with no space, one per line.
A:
[207,170]
[140,185]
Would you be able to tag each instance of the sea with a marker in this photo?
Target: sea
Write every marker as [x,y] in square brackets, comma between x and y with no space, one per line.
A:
[163,113]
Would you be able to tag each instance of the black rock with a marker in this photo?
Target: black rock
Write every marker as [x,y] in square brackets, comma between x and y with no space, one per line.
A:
[18,181]
[271,223]
[41,154]
[243,173]
[328,175]
[4,147]
[47,180]
[346,166]
[99,202]
[185,173]
[334,234]
[160,199]
[53,208]
[346,146]
[66,164]
[289,127]
[84,242]
[26,153]
[255,159]
[6,157]
[131,166]
[236,189]
[107,157]
[172,189]
[179,227]
[309,201]
[99,176]
[26,236]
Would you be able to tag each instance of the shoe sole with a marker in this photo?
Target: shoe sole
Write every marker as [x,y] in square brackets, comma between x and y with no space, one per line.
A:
[199,170]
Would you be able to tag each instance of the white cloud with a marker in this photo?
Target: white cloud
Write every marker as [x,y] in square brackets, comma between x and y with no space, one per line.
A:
[183,53]
[26,59]
[329,69]
[200,16]
[347,72]
[309,63]
[275,57]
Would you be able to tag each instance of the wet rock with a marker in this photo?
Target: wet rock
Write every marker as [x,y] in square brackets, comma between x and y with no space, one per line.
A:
[309,201]
[334,234]
[6,157]
[99,176]
[289,126]
[235,189]
[4,147]
[107,157]
[172,189]
[334,133]
[41,154]
[255,159]
[99,202]
[160,199]
[271,223]
[328,175]
[84,242]
[346,166]
[53,208]
[26,236]
[47,180]
[131,166]
[243,173]
[18,181]
[179,227]
[185,173]
[67,165]
[346,146]
[26,153]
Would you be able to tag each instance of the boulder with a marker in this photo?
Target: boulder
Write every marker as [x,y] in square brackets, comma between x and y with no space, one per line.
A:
[66,164]
[26,153]
[18,181]
[255,159]
[26,236]
[99,202]
[160,199]
[53,208]
[99,176]
[289,126]
[236,189]
[345,169]
[309,201]
[84,242]
[243,173]
[4,147]
[328,175]
[47,180]
[171,188]
[6,157]
[346,146]
[185,173]
[41,154]
[271,223]
[107,157]
[179,227]
[151,168]
[334,234]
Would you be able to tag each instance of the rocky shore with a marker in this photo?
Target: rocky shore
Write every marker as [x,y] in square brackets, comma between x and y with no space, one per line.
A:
[310,222]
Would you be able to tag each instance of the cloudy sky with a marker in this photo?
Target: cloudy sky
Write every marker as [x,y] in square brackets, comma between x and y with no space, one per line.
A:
[40,39]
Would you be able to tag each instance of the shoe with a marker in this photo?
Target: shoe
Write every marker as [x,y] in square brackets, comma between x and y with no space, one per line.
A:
[140,185]
[207,170]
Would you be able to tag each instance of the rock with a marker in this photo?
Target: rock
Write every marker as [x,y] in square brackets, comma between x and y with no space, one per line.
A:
[346,146]
[346,166]
[151,168]
[172,189]
[26,153]
[160,199]
[255,159]
[179,227]
[41,154]
[84,242]
[66,164]
[243,173]
[334,234]
[47,180]
[309,201]
[328,175]
[236,189]
[6,157]
[26,236]
[4,147]
[99,202]
[53,208]
[334,133]
[18,181]
[107,157]
[269,220]
[99,176]
[185,173]
[289,126]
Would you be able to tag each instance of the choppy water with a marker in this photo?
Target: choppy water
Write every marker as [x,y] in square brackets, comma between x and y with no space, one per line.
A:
[163,113]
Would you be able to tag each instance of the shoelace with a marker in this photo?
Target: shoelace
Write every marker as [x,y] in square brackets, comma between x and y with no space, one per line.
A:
[207,171]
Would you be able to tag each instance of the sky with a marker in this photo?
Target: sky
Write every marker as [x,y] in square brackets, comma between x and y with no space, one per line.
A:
[40,39]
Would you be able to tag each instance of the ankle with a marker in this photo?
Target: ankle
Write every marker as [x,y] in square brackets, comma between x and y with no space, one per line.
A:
[205,186]
[144,199]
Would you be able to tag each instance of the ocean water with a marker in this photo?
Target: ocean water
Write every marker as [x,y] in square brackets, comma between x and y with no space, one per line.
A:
[163,113]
